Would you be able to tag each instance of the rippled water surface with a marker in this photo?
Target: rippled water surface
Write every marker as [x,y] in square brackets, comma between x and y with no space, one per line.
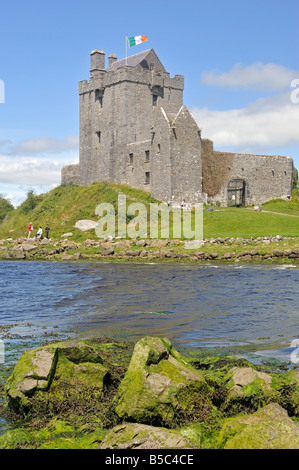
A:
[193,305]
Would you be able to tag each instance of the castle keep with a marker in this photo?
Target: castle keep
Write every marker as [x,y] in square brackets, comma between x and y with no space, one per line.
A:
[135,130]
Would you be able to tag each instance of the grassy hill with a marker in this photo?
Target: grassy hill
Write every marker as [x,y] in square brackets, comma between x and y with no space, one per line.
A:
[62,207]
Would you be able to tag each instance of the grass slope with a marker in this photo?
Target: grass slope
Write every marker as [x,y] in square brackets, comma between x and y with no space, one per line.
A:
[62,207]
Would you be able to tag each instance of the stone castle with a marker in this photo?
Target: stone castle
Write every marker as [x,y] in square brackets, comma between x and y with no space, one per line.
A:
[135,130]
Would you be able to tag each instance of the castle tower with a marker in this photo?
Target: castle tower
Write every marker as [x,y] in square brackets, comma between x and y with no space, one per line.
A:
[116,109]
[134,129]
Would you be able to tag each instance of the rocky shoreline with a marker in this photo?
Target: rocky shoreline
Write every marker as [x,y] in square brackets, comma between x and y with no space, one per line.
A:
[261,249]
[107,394]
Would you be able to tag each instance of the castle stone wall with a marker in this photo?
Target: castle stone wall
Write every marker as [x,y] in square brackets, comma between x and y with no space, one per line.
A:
[70,174]
[137,166]
[185,156]
[161,170]
[265,177]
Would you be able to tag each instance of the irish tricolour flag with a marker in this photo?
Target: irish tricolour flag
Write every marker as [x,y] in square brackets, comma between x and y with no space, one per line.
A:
[137,40]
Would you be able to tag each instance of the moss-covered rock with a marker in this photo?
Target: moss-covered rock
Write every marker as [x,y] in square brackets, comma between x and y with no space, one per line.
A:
[158,384]
[268,428]
[247,381]
[57,434]
[33,371]
[141,436]
[248,389]
[91,387]
[288,387]
[55,366]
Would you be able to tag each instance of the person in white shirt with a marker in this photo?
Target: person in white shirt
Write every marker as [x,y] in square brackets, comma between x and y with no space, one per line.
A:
[38,236]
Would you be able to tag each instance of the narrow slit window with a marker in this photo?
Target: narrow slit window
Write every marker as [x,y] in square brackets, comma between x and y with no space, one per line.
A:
[99,136]
[155,100]
[147,156]
[147,177]
[131,156]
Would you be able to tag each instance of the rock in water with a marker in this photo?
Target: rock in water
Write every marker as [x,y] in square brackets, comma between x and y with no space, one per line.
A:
[73,364]
[157,374]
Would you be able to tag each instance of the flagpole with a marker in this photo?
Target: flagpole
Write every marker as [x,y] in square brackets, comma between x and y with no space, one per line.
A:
[126,48]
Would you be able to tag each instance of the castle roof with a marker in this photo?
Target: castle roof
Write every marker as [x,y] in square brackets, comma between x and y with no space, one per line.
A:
[134,60]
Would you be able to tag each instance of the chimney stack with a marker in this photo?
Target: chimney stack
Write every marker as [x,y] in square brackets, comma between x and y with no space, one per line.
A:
[111,59]
[97,61]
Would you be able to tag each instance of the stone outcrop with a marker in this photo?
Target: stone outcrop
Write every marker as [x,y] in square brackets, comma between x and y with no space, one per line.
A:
[85,225]
[154,398]
[147,249]
[268,428]
[155,376]
[243,381]
[71,362]
[141,436]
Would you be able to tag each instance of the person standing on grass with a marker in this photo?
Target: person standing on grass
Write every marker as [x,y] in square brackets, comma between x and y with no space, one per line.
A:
[30,228]
[47,228]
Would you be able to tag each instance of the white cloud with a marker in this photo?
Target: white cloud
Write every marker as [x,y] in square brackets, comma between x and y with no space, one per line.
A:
[257,76]
[3,143]
[18,175]
[29,171]
[29,164]
[268,122]
[44,145]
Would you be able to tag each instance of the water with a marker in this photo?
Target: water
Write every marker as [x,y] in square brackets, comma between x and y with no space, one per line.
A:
[246,309]
[192,305]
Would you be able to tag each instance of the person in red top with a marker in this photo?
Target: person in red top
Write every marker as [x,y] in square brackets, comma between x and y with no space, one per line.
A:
[30,228]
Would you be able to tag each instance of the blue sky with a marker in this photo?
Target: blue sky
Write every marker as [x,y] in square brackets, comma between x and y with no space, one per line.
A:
[239,59]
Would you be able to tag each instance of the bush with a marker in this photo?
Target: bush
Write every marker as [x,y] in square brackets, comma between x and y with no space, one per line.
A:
[30,202]
[5,208]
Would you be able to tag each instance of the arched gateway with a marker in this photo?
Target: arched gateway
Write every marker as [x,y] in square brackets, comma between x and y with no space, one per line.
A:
[236,192]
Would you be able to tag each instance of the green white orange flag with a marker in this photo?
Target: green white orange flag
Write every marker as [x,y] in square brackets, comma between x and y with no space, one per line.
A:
[133,41]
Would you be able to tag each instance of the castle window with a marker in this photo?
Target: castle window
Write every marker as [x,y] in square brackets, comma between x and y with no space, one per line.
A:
[155,100]
[285,173]
[99,97]
[147,177]
[159,148]
[99,136]
[147,156]
[272,172]
[131,158]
